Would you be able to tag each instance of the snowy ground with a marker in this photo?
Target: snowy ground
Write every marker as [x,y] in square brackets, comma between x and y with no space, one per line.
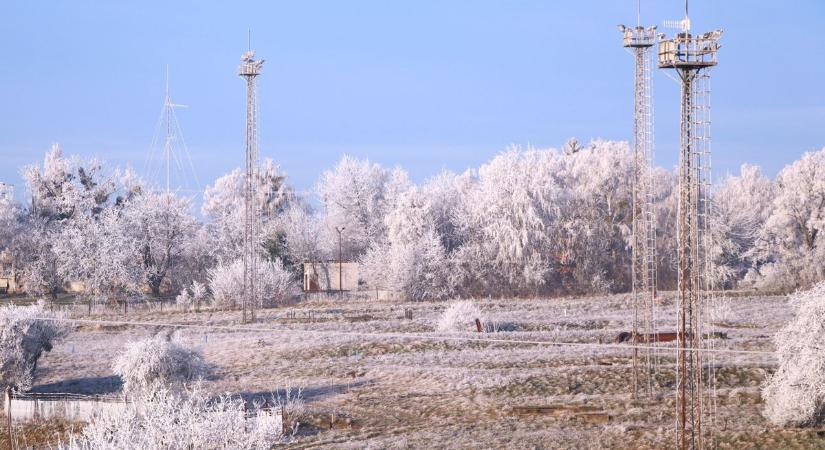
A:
[365,389]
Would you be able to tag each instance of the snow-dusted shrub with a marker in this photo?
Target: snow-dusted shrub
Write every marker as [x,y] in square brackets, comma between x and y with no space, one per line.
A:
[291,404]
[157,363]
[192,296]
[199,291]
[24,336]
[795,394]
[184,299]
[276,284]
[783,276]
[189,420]
[460,316]
[721,310]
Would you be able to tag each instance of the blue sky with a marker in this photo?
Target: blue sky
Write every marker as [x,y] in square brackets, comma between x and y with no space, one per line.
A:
[427,85]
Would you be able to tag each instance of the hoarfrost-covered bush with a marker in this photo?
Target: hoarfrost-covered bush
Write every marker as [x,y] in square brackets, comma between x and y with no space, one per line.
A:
[24,336]
[157,363]
[460,317]
[795,394]
[189,420]
[184,299]
[193,296]
[276,284]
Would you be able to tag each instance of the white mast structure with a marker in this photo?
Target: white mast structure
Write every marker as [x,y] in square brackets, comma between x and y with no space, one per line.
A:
[249,71]
[639,40]
[692,57]
[175,161]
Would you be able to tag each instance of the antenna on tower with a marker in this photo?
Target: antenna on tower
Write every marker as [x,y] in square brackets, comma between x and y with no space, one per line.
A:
[638,13]
[682,25]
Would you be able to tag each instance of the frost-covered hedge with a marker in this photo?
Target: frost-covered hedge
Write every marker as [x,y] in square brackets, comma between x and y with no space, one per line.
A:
[795,394]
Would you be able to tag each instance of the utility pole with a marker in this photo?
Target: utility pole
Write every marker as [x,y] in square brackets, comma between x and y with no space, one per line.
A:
[340,264]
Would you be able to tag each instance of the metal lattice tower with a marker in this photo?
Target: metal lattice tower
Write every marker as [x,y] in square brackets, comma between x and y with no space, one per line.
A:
[692,56]
[639,40]
[172,165]
[249,70]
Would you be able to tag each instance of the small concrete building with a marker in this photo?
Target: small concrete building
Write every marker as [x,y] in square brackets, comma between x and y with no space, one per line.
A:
[325,276]
[8,281]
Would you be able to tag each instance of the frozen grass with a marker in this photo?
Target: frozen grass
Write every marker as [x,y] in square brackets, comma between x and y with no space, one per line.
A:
[371,392]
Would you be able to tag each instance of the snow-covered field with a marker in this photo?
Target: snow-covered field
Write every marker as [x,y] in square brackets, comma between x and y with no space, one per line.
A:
[373,379]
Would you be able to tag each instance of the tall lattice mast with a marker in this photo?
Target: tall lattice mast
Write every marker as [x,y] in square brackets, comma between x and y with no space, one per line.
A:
[639,40]
[692,56]
[249,70]
[171,166]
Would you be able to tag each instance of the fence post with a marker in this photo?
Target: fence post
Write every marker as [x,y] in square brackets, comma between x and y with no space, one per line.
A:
[8,416]
[478,325]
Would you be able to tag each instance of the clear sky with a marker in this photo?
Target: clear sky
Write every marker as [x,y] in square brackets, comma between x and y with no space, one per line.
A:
[427,85]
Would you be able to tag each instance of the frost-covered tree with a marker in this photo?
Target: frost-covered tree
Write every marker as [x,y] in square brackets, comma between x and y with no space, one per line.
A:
[597,217]
[25,333]
[303,236]
[544,221]
[197,257]
[793,234]
[357,195]
[11,231]
[445,193]
[223,206]
[37,258]
[741,207]
[506,224]
[162,227]
[152,365]
[58,190]
[181,421]
[99,252]
[275,284]
[665,209]
[795,394]
[73,223]
[63,186]
[412,260]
